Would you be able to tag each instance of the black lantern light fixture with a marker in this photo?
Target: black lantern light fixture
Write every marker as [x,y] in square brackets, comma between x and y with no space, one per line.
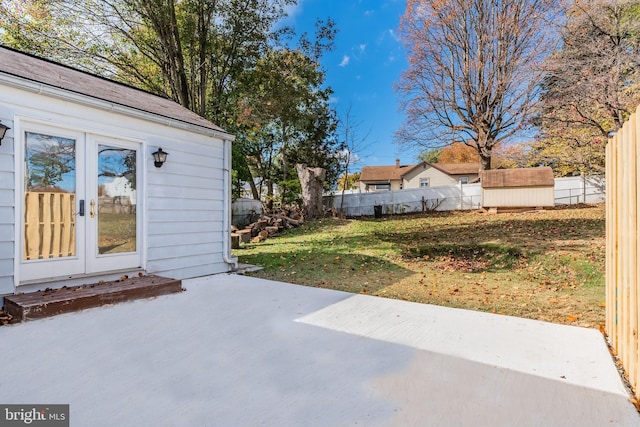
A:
[159,157]
[3,131]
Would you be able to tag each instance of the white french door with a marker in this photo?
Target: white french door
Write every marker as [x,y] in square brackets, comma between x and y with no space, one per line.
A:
[113,223]
[80,212]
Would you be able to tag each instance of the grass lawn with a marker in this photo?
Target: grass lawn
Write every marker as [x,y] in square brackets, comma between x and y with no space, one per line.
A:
[116,233]
[546,265]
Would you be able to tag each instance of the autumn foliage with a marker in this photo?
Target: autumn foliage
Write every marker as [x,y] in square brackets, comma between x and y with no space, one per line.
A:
[473,70]
[591,86]
[458,153]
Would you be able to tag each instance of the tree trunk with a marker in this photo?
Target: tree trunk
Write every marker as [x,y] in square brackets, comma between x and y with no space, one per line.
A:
[485,162]
[269,201]
[254,190]
[283,184]
[311,181]
[344,184]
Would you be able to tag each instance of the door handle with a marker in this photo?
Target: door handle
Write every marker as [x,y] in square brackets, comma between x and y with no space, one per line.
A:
[92,209]
[81,210]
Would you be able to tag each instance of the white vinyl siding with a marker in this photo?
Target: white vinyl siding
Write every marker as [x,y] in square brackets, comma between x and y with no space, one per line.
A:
[185,210]
[7,212]
[183,202]
[518,197]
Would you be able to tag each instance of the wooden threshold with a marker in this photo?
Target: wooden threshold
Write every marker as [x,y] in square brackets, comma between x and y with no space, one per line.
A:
[51,302]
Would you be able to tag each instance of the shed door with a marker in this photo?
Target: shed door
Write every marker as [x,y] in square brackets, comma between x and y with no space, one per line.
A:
[81,204]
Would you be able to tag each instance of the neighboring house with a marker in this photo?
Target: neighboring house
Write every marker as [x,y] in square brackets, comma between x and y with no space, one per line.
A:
[120,187]
[78,141]
[398,177]
[515,188]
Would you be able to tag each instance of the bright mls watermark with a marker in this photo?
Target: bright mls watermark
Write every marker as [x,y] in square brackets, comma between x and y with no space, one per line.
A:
[34,415]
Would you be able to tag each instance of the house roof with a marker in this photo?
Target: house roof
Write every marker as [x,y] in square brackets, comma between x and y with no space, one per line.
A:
[522,177]
[384,173]
[396,173]
[43,71]
[458,168]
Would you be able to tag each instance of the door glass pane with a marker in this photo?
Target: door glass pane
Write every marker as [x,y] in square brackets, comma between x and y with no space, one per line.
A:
[50,197]
[116,208]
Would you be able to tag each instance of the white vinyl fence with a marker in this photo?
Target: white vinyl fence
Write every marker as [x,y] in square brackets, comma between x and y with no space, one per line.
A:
[568,191]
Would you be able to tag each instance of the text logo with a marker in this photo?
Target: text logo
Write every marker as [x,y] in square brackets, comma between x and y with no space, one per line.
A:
[34,415]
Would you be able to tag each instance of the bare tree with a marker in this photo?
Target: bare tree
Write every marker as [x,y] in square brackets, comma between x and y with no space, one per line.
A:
[473,70]
[351,145]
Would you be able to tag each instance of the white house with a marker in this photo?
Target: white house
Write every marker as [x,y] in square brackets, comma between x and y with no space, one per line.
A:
[74,137]
[400,177]
[120,187]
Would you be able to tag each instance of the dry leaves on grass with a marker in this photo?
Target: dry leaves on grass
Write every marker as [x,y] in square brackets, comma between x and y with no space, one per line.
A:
[6,318]
[547,265]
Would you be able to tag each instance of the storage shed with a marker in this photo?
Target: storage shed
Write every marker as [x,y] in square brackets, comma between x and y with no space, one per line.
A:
[517,188]
[81,197]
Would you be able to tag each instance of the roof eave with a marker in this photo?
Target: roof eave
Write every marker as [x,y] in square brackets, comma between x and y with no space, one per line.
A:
[68,95]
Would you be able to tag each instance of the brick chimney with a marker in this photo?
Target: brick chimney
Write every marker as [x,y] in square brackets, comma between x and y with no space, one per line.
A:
[397,163]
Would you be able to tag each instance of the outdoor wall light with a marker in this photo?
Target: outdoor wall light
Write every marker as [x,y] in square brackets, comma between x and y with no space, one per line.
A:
[159,157]
[3,131]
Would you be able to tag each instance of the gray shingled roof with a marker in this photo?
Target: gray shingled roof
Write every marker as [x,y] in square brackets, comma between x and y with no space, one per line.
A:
[60,76]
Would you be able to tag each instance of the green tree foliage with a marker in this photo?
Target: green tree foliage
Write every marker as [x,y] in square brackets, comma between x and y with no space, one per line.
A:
[48,160]
[227,60]
[430,155]
[591,87]
[287,119]
[46,29]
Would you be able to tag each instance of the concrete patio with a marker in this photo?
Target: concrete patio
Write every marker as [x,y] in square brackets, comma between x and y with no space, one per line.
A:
[240,351]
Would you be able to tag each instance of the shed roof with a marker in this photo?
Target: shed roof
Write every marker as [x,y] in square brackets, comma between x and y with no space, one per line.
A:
[522,177]
[29,67]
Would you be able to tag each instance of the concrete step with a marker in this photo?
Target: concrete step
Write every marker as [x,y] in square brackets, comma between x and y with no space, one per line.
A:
[51,302]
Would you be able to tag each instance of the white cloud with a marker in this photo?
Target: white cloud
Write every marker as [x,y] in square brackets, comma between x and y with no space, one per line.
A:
[369,12]
[345,61]
[393,34]
[354,158]
[294,9]
[362,48]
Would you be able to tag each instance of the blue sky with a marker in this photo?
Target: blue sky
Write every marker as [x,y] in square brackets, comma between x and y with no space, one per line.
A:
[362,69]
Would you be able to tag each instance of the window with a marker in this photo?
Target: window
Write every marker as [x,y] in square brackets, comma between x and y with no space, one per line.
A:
[463,180]
[383,186]
[424,182]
